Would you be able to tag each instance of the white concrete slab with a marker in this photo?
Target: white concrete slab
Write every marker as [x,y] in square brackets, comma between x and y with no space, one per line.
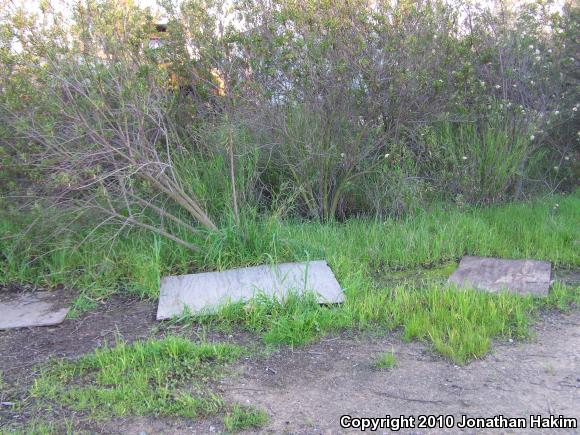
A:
[205,292]
[494,274]
[22,310]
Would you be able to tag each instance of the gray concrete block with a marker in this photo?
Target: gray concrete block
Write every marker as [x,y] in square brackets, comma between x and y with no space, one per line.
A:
[494,274]
[205,292]
[22,310]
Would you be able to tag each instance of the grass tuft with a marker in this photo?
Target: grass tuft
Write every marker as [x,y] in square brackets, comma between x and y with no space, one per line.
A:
[386,360]
[245,417]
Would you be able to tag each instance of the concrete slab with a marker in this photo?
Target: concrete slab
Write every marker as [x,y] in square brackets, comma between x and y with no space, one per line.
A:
[493,275]
[205,292]
[22,310]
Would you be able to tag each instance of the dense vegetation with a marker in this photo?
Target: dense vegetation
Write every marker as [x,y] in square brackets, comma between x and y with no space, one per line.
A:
[388,137]
[307,109]
[241,135]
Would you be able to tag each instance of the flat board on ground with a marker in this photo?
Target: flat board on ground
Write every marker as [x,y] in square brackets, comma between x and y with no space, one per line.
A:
[205,292]
[493,275]
[22,310]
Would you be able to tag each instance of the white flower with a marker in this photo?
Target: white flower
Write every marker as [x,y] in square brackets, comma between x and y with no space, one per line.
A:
[571,59]
[556,112]
[514,86]
[497,86]
[555,168]
[482,83]
[566,158]
[532,82]
[556,205]
[549,50]
[537,51]
[387,156]
[532,137]
[464,157]
[574,109]
[342,155]
[538,58]
[531,47]
[489,106]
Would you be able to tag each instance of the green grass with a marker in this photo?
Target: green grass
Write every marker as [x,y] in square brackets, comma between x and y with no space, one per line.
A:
[392,272]
[386,361]
[157,377]
[36,427]
[168,377]
[355,249]
[245,417]
[459,324]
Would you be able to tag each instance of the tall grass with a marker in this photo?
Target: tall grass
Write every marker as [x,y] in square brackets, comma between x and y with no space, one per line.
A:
[480,161]
[365,255]
[545,229]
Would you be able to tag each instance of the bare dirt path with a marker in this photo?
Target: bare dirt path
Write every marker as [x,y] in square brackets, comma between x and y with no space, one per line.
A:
[306,390]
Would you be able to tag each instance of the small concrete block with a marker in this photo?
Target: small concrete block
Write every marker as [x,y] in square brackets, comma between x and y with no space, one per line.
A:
[523,277]
[22,310]
[205,292]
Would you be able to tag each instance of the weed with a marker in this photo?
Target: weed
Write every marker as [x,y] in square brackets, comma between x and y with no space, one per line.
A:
[245,417]
[386,360]
[549,369]
[561,297]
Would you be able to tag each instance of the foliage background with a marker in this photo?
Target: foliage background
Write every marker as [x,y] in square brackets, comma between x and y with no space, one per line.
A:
[291,108]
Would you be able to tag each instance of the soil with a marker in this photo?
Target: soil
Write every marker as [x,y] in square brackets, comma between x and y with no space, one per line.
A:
[306,390]
[22,349]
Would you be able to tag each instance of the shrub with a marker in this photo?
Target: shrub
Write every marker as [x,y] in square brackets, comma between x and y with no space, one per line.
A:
[316,109]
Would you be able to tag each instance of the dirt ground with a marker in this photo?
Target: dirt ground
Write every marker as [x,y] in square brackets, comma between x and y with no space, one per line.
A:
[306,390]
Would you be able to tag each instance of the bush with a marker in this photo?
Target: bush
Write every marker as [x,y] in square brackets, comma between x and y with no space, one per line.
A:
[319,110]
